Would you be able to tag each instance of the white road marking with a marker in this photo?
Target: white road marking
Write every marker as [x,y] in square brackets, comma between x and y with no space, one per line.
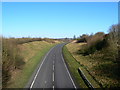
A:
[53,67]
[68,72]
[39,69]
[53,76]
[53,87]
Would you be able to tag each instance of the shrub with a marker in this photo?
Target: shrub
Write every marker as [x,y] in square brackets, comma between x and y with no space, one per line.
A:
[82,38]
[94,43]
[113,41]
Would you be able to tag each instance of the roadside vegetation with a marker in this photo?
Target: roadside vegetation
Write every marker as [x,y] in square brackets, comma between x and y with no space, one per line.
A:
[20,57]
[99,54]
[73,66]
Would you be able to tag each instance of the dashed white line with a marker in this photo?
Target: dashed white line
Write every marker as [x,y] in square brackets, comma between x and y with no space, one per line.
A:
[53,62]
[39,69]
[53,76]
[68,72]
[53,87]
[53,67]
[45,82]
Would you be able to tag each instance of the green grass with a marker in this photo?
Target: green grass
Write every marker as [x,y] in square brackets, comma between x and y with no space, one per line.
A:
[22,77]
[73,66]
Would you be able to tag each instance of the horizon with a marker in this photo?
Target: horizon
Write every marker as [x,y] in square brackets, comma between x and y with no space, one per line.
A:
[57,20]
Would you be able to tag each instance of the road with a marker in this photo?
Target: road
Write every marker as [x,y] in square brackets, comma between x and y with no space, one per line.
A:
[52,71]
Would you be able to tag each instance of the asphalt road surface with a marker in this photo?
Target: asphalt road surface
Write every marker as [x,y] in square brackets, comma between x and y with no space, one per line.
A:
[52,71]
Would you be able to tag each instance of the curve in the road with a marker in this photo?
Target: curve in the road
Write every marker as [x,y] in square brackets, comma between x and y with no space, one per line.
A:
[52,72]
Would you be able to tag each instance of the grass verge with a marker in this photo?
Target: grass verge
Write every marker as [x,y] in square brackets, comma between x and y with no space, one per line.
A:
[33,53]
[73,67]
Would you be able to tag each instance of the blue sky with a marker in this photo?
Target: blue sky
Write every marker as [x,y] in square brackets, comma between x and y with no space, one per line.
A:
[57,19]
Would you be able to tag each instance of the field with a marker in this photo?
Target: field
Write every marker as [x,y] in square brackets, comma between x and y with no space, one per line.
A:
[32,53]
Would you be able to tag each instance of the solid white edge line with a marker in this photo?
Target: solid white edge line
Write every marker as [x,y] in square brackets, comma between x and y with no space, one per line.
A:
[68,72]
[40,68]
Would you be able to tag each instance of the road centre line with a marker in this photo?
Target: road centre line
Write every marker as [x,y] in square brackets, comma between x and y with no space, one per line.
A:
[53,67]
[53,76]
[53,87]
[53,62]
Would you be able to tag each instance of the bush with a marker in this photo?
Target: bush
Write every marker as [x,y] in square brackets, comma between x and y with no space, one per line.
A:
[94,43]
[82,38]
[113,41]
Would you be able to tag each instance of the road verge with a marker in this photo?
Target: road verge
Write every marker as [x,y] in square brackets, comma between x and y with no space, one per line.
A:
[73,67]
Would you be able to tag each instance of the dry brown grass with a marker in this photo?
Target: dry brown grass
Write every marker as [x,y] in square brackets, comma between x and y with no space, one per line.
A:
[31,49]
[98,68]
[73,48]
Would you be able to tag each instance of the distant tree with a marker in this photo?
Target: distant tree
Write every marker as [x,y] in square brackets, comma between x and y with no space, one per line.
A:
[66,38]
[84,37]
[74,37]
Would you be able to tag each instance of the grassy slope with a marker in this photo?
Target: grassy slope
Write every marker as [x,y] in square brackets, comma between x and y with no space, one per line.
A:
[73,66]
[73,48]
[98,68]
[32,52]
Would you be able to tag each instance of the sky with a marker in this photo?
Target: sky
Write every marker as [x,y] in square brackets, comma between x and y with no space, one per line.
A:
[57,19]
